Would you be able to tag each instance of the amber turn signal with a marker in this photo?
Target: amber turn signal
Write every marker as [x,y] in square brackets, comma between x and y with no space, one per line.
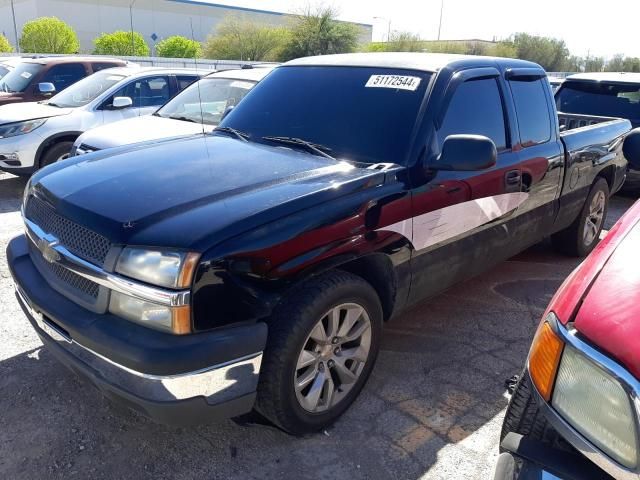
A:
[181,320]
[544,358]
[188,269]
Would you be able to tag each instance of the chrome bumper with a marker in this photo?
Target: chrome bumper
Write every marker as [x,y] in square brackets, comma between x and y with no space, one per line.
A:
[217,384]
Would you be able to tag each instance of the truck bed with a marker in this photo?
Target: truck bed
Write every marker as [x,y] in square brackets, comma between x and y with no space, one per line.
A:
[570,121]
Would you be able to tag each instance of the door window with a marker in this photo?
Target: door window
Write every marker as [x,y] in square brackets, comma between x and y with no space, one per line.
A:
[102,66]
[533,112]
[64,75]
[476,108]
[184,81]
[146,92]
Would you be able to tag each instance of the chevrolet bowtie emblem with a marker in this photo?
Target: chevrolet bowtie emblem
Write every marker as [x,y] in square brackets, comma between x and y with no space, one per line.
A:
[46,249]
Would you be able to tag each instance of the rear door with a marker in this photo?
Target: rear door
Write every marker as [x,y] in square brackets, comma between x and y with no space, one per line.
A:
[461,219]
[540,150]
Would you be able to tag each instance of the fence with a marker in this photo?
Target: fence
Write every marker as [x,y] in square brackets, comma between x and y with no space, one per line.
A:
[200,63]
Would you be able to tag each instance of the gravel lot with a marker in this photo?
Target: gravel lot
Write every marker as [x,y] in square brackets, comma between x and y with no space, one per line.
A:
[432,408]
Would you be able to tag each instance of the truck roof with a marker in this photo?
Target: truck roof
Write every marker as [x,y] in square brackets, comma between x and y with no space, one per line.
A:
[617,77]
[428,62]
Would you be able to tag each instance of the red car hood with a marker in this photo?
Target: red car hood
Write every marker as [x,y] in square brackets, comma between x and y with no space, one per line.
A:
[609,316]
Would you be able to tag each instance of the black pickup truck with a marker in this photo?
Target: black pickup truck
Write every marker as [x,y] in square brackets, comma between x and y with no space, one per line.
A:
[254,267]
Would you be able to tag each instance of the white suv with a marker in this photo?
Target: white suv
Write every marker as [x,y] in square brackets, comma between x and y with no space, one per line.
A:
[196,110]
[36,134]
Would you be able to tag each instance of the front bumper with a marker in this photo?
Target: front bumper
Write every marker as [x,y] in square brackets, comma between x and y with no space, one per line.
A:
[176,380]
[18,154]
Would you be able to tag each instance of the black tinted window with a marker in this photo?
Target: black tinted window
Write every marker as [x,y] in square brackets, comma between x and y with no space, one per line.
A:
[476,108]
[532,109]
[65,75]
[184,81]
[360,113]
[600,98]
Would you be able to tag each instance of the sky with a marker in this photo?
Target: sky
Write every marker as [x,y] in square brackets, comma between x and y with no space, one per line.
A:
[603,29]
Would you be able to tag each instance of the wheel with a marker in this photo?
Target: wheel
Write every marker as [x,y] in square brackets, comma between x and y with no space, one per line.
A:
[582,235]
[523,417]
[322,345]
[55,153]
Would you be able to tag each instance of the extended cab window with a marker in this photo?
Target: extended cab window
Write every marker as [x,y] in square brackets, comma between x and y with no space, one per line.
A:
[476,108]
[532,110]
[65,75]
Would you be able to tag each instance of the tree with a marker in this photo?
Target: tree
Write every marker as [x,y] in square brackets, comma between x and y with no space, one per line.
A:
[5,46]
[594,64]
[239,39]
[48,35]
[631,64]
[317,32]
[404,42]
[550,53]
[504,49]
[121,43]
[178,47]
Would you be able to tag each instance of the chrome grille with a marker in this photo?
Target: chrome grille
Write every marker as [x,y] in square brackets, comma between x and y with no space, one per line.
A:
[75,281]
[78,239]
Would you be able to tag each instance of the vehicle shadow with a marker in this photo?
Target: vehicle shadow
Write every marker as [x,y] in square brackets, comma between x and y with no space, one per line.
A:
[11,188]
[432,408]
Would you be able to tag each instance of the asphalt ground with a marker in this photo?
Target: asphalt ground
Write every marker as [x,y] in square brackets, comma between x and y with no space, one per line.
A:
[432,408]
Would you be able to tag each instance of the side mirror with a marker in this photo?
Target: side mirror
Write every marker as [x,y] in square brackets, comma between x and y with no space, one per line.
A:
[46,88]
[631,149]
[121,102]
[466,153]
[227,111]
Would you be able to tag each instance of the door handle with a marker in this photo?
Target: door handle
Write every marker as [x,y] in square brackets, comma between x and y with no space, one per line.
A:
[513,177]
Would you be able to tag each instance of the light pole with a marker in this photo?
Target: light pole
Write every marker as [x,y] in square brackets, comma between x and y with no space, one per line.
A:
[133,47]
[15,26]
[388,26]
[440,23]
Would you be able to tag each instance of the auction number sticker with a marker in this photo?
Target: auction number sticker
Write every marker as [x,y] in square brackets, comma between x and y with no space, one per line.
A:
[401,82]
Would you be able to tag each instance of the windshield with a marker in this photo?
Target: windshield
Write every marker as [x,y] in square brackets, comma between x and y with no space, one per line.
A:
[361,114]
[211,96]
[599,98]
[18,79]
[86,90]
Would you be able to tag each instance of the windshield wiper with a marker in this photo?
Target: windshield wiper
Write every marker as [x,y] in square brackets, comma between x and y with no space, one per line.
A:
[310,147]
[238,134]
[181,118]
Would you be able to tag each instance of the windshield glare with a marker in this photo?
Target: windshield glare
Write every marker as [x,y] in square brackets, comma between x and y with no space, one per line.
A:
[359,114]
[597,98]
[86,90]
[18,79]
[3,70]
[205,101]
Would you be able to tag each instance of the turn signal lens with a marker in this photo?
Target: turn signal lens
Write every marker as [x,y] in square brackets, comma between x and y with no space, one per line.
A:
[544,358]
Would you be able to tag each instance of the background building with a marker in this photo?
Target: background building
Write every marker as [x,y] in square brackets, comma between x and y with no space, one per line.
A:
[154,19]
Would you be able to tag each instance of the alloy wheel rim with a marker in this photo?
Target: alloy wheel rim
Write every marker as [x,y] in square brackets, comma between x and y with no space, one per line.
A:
[595,218]
[332,358]
[64,156]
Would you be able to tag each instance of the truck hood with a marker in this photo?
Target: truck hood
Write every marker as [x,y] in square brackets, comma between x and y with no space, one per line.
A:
[609,316]
[192,193]
[20,112]
[138,129]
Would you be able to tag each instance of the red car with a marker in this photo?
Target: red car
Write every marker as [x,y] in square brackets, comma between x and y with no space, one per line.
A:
[575,410]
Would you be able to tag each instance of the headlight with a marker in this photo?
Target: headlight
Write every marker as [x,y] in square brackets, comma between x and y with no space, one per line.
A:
[596,405]
[14,129]
[171,319]
[164,268]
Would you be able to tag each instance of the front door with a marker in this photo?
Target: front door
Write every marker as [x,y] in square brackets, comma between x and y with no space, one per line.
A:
[461,219]
[146,94]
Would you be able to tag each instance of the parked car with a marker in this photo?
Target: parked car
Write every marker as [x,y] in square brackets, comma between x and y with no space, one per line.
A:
[33,135]
[555,83]
[40,78]
[7,64]
[574,412]
[254,267]
[196,110]
[605,94]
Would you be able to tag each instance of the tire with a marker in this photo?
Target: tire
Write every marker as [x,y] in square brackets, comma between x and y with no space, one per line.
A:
[574,240]
[292,329]
[524,418]
[58,151]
